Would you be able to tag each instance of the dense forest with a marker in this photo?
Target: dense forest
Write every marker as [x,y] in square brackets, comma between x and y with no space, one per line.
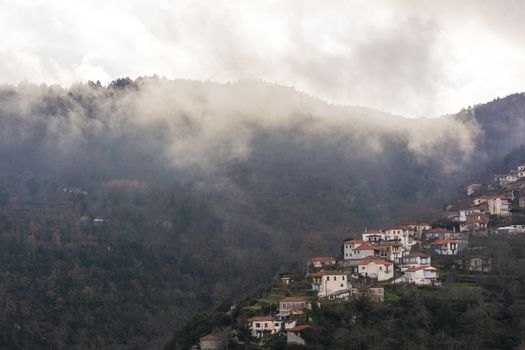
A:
[125,209]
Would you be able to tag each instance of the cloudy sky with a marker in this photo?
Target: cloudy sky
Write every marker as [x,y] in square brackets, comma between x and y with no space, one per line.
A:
[415,58]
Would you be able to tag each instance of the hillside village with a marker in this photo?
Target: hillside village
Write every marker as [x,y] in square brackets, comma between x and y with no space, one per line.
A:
[368,265]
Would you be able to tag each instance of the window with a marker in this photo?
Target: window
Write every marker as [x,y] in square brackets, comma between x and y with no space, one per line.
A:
[257,325]
[335,278]
[341,285]
[328,278]
[343,278]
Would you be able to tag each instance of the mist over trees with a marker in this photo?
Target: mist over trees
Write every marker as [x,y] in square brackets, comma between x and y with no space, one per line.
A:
[202,191]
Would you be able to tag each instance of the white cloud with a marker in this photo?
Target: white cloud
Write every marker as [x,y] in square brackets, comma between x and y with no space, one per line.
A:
[407,57]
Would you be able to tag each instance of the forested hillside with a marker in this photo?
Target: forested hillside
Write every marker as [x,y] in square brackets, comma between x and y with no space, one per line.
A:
[125,209]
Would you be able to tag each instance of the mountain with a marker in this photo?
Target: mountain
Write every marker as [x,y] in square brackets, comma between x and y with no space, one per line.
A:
[126,208]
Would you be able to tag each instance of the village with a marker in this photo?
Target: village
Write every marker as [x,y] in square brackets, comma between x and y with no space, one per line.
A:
[410,254]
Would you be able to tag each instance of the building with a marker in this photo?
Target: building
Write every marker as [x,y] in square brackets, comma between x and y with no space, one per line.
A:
[348,247]
[211,342]
[263,326]
[293,305]
[497,205]
[394,251]
[375,293]
[328,284]
[420,275]
[379,269]
[295,335]
[512,229]
[445,246]
[416,259]
[439,233]
[401,233]
[322,261]
[373,236]
[365,250]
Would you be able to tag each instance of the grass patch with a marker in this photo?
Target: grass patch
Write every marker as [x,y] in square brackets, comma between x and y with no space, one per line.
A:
[391,296]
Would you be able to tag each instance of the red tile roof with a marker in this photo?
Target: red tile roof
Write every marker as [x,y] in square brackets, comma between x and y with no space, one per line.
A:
[416,254]
[293,299]
[299,328]
[443,241]
[369,247]
[373,231]
[210,337]
[260,318]
[414,269]
[367,261]
[322,258]
[352,241]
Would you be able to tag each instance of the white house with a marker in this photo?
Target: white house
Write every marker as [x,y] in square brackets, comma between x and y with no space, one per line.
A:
[497,205]
[445,246]
[402,233]
[416,259]
[365,250]
[329,283]
[438,233]
[521,167]
[348,247]
[262,326]
[420,275]
[379,269]
[293,305]
[322,261]
[373,236]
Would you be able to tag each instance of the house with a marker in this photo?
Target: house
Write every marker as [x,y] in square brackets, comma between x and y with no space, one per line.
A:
[416,259]
[394,250]
[348,247]
[505,179]
[420,276]
[497,205]
[322,261]
[375,268]
[402,233]
[521,167]
[375,293]
[473,188]
[211,342]
[328,284]
[263,326]
[474,224]
[295,335]
[364,250]
[512,229]
[293,305]
[445,246]
[438,233]
[478,264]
[373,236]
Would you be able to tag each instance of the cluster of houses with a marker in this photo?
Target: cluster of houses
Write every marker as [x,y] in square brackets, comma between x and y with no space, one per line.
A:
[383,257]
[513,176]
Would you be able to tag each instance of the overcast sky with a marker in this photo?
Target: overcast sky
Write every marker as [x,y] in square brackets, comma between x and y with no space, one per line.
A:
[415,58]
